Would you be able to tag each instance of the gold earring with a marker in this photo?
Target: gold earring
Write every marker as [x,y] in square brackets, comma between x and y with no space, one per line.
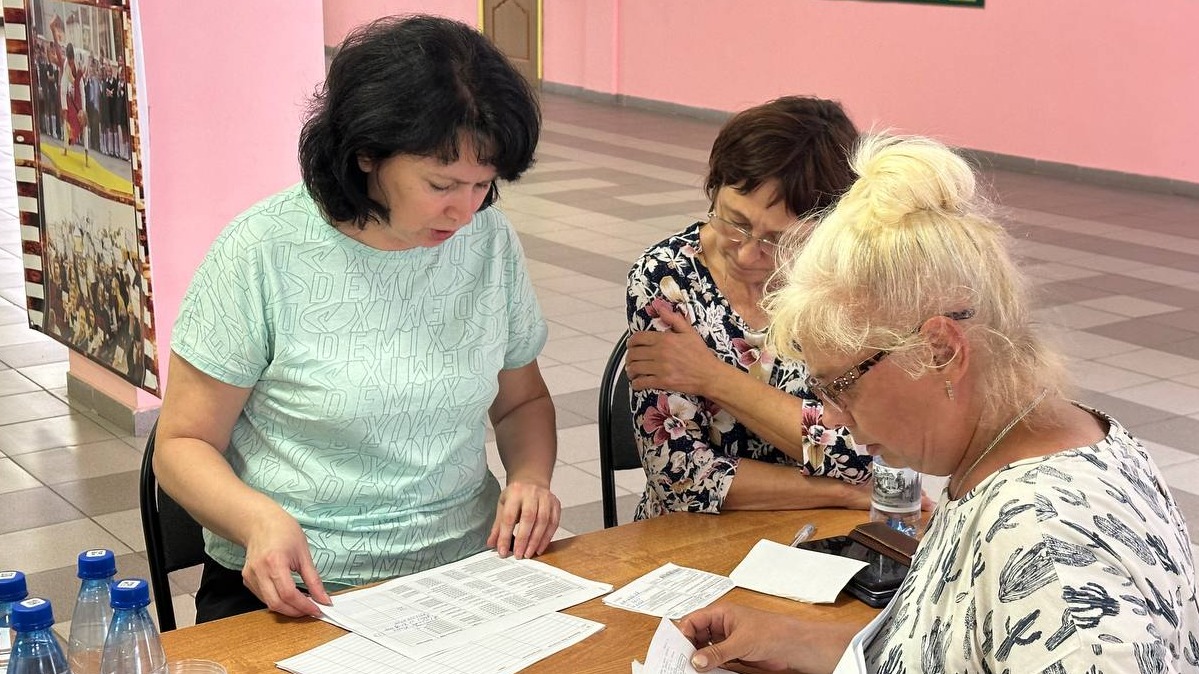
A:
[949,389]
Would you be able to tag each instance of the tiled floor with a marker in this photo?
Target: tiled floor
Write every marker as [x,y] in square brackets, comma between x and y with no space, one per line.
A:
[1118,273]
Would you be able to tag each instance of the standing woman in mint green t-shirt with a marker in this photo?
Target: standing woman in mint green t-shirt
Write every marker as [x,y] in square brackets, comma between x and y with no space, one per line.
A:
[344,342]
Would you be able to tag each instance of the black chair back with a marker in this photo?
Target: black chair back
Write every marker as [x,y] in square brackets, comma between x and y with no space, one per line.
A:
[617,443]
[173,539]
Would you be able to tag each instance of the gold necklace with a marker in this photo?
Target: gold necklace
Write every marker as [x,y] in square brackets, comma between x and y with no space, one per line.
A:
[1000,436]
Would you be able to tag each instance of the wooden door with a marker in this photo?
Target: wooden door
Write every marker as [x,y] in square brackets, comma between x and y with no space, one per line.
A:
[513,26]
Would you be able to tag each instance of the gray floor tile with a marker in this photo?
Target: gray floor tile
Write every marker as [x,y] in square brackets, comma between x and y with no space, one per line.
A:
[1179,432]
[590,516]
[1186,321]
[15,478]
[1188,348]
[101,495]
[1128,413]
[583,403]
[81,462]
[1179,297]
[12,382]
[33,354]
[32,508]
[11,314]
[1066,292]
[1142,332]
[31,406]
[31,436]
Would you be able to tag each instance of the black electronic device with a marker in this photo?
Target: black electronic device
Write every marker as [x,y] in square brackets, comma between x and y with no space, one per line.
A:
[875,584]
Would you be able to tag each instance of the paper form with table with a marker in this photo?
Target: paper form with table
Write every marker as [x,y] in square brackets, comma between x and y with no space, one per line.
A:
[670,591]
[458,603]
[500,653]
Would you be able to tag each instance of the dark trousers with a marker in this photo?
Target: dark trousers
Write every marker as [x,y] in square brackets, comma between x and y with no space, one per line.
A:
[222,594]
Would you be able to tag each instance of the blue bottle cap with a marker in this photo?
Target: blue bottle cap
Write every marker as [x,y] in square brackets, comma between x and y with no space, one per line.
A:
[31,614]
[12,586]
[97,564]
[130,593]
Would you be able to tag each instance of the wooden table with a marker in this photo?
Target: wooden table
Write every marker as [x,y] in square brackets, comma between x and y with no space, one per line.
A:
[252,643]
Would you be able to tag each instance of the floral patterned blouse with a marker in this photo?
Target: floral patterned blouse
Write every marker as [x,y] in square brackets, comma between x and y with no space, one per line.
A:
[690,446]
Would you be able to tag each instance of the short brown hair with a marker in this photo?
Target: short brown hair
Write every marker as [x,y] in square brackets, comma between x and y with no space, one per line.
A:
[802,141]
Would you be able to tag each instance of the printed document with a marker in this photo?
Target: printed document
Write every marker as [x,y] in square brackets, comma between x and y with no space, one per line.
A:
[793,573]
[670,591]
[458,603]
[500,653]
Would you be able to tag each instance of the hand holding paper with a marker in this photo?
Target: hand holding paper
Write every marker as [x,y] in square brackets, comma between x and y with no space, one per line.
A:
[669,653]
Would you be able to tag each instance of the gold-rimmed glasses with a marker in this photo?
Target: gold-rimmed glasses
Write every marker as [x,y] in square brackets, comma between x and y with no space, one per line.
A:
[740,235]
[833,393]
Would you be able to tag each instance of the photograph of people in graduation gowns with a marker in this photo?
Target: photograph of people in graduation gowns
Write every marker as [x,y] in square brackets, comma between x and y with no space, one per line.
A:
[344,343]
[722,422]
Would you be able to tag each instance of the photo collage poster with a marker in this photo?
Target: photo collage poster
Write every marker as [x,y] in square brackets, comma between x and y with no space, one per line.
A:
[79,180]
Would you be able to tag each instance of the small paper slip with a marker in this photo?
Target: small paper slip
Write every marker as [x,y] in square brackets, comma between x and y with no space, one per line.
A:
[670,591]
[669,653]
[505,653]
[853,660]
[458,603]
[793,573]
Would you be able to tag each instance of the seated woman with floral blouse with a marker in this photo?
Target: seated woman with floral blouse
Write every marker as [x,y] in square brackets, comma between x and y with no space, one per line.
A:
[721,423]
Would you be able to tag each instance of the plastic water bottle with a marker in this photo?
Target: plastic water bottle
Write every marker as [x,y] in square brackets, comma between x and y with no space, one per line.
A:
[89,622]
[133,645]
[35,649]
[896,498]
[12,590]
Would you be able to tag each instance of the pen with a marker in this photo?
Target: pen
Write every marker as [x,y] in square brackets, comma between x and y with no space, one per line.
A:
[805,532]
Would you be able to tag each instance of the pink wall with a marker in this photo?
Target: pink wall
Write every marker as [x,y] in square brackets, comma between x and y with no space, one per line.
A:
[581,44]
[226,84]
[1109,84]
[343,15]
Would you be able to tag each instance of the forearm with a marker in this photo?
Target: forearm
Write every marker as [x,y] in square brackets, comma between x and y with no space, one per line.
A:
[822,644]
[525,438]
[772,414]
[759,485]
[197,476]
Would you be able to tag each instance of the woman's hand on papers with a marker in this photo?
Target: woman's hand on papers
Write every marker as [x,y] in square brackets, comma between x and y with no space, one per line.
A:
[276,548]
[526,520]
[727,632]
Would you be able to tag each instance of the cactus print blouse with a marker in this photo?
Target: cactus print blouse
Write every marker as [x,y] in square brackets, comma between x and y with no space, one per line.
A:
[689,445]
[1078,562]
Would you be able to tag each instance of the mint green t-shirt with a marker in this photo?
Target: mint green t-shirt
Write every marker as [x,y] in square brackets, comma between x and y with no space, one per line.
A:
[371,374]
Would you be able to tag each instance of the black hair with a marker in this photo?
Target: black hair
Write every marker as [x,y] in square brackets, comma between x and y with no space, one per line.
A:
[413,85]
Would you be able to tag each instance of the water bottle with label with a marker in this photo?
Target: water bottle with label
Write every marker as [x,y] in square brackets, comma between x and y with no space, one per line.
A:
[12,590]
[89,622]
[133,645]
[896,498]
[35,649]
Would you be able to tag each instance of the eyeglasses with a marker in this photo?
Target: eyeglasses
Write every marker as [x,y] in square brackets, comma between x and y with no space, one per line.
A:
[736,234]
[833,393]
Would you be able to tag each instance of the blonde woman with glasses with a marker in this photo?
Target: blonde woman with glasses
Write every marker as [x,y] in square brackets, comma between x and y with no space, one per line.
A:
[721,422]
[1056,546]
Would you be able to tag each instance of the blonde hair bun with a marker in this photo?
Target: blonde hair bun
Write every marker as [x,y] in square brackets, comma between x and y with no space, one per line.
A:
[901,175]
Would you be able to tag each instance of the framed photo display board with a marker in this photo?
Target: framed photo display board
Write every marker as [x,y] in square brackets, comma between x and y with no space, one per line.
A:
[80,193]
